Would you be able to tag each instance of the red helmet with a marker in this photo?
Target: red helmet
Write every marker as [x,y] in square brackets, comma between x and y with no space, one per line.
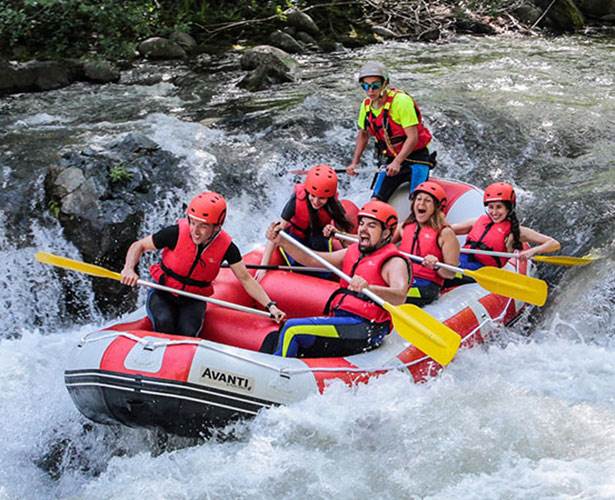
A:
[208,207]
[321,181]
[433,189]
[500,191]
[380,211]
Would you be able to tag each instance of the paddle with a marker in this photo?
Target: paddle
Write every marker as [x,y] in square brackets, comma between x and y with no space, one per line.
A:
[425,332]
[282,268]
[556,260]
[343,170]
[337,171]
[500,281]
[101,272]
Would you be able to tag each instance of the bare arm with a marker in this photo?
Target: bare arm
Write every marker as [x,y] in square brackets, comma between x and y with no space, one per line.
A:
[334,258]
[545,244]
[395,273]
[254,289]
[129,275]
[362,140]
[463,227]
[268,252]
[450,251]
[397,234]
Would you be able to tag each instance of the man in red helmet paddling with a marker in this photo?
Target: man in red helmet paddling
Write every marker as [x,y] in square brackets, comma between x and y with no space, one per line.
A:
[354,323]
[192,253]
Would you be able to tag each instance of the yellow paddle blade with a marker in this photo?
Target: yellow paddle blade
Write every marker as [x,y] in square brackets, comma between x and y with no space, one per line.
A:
[564,260]
[75,265]
[514,285]
[425,332]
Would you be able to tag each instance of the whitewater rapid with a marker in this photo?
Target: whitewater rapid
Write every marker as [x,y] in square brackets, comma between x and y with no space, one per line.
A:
[530,416]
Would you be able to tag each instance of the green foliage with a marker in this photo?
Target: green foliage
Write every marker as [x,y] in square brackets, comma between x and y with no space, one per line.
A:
[111,28]
[54,208]
[76,27]
[119,174]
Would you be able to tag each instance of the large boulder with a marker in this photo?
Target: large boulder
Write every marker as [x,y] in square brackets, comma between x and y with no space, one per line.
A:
[263,77]
[562,16]
[184,40]
[161,48]
[100,197]
[35,76]
[285,42]
[268,65]
[266,54]
[302,22]
[597,8]
[101,71]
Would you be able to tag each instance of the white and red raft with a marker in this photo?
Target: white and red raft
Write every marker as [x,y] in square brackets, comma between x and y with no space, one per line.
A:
[128,374]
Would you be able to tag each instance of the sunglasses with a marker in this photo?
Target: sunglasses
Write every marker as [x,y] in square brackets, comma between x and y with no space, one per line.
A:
[373,86]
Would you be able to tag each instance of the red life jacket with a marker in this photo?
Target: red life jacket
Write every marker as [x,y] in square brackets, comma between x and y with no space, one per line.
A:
[179,267]
[422,241]
[383,123]
[368,267]
[488,235]
[300,222]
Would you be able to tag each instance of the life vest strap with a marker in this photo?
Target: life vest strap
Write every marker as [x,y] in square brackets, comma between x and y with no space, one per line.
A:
[185,280]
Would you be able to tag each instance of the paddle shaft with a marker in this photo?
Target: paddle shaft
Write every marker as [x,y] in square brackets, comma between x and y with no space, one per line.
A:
[218,302]
[283,268]
[488,252]
[343,170]
[337,171]
[101,272]
[416,258]
[331,267]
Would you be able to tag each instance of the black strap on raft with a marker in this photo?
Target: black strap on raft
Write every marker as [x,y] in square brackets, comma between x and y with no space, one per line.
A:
[344,291]
[184,280]
[479,245]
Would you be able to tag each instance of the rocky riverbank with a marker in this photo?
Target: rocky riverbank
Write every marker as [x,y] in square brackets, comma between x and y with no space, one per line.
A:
[315,27]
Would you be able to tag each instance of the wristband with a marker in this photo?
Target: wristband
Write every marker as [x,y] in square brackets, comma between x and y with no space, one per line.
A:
[271,303]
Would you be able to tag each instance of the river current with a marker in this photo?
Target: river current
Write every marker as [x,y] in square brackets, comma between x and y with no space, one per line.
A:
[532,415]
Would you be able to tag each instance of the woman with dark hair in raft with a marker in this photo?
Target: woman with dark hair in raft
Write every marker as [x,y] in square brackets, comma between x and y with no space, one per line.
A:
[499,231]
[311,215]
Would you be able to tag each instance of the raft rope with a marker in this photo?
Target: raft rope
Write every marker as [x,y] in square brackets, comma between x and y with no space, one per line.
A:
[150,346]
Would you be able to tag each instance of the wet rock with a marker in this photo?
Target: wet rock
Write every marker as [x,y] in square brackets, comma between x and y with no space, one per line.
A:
[470,24]
[202,63]
[527,13]
[184,40]
[285,42]
[597,8]
[101,71]
[35,76]
[161,48]
[302,22]
[100,197]
[266,54]
[264,76]
[563,15]
[141,75]
[306,38]
[384,32]
[291,30]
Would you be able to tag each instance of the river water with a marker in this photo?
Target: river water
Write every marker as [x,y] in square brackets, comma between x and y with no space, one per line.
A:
[530,416]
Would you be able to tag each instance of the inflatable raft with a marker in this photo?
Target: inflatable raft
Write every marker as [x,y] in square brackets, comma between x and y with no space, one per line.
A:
[128,374]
